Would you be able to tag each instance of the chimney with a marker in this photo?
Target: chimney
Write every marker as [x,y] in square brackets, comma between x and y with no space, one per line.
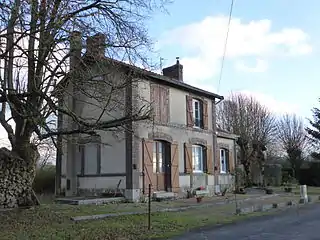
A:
[96,46]
[75,49]
[174,71]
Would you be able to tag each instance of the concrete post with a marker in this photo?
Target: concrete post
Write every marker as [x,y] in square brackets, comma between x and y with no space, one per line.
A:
[303,193]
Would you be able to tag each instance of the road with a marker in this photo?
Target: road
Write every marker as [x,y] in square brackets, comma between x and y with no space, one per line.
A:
[293,224]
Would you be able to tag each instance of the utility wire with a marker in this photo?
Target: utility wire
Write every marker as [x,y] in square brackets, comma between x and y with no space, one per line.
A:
[225,44]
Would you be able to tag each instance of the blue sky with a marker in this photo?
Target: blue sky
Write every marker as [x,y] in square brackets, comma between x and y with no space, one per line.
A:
[272,52]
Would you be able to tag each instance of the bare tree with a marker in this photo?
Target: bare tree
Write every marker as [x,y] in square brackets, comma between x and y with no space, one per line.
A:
[293,140]
[34,58]
[254,123]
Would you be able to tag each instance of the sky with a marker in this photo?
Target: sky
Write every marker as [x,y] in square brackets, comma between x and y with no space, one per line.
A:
[272,51]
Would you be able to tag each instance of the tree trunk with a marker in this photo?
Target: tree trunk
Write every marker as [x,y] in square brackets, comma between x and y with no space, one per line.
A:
[16,177]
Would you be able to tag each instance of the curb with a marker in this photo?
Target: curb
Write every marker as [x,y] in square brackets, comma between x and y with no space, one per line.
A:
[267,207]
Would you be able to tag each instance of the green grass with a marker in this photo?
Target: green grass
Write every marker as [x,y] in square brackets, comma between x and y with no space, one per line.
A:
[45,223]
[52,221]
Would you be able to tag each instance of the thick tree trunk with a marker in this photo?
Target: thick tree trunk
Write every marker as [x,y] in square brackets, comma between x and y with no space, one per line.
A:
[16,178]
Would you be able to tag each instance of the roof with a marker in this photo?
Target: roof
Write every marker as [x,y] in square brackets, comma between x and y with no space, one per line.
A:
[155,77]
[225,134]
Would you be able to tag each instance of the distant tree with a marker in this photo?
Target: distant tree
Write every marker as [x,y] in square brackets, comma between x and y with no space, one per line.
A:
[314,133]
[293,140]
[254,123]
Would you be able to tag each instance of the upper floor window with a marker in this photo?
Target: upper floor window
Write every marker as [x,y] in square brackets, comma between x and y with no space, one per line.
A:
[197,113]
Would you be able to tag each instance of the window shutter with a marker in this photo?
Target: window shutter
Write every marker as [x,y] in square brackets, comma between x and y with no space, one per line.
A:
[189,111]
[209,160]
[149,177]
[175,167]
[205,114]
[187,158]
[231,161]
[155,99]
[218,161]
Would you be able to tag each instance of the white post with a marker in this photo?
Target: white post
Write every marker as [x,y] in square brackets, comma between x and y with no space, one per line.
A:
[303,193]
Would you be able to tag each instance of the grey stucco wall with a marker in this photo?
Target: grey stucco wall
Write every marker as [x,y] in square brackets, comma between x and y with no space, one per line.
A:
[178,132]
[226,180]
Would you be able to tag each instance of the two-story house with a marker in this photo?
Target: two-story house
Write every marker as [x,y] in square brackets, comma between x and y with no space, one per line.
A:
[174,151]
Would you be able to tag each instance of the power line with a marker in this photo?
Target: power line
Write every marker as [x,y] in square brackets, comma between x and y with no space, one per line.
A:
[225,43]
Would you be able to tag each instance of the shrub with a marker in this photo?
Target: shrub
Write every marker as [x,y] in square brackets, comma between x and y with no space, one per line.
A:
[44,181]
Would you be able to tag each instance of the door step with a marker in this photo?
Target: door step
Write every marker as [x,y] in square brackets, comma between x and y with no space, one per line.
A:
[162,195]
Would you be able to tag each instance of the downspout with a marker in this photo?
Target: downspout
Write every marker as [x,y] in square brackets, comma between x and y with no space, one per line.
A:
[214,135]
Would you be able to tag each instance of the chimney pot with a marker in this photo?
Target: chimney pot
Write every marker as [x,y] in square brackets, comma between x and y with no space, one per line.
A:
[175,71]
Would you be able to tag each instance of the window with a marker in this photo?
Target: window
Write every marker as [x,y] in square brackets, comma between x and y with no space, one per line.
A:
[197,158]
[197,113]
[158,156]
[224,155]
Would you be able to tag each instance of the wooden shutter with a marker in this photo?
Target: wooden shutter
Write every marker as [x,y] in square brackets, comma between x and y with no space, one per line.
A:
[189,111]
[175,167]
[164,109]
[205,114]
[148,164]
[209,160]
[231,161]
[188,158]
[155,99]
[217,162]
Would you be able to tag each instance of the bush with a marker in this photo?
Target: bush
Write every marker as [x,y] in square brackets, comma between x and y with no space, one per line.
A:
[44,181]
[272,174]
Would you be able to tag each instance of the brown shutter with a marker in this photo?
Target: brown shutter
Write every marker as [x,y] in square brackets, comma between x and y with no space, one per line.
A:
[231,161]
[175,167]
[155,99]
[167,106]
[148,164]
[209,160]
[164,105]
[188,158]
[217,162]
[205,114]
[189,111]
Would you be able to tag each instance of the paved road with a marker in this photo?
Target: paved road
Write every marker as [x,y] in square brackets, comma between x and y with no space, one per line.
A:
[293,224]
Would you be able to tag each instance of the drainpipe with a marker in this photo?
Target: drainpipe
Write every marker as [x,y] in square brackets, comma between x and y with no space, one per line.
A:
[214,135]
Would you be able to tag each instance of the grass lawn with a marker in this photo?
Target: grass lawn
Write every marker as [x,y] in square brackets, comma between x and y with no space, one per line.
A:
[296,190]
[53,222]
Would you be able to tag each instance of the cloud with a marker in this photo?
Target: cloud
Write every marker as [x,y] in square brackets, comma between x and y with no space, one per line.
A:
[260,66]
[272,103]
[204,42]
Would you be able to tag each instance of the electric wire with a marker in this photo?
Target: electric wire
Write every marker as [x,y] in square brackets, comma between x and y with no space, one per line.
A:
[225,44]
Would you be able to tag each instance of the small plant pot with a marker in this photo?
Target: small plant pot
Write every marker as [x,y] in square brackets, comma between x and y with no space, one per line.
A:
[199,199]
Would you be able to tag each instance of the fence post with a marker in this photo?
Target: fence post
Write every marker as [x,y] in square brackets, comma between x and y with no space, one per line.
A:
[149,208]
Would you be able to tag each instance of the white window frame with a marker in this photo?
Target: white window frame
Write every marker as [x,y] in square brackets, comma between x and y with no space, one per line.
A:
[223,160]
[198,116]
[197,152]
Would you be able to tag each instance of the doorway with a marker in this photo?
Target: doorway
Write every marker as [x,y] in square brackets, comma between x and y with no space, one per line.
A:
[162,165]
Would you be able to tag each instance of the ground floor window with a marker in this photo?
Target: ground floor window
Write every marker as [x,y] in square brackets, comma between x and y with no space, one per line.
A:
[197,158]
[224,160]
[158,156]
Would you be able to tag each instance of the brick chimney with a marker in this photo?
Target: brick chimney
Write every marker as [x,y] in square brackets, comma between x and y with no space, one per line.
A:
[75,49]
[175,71]
[96,46]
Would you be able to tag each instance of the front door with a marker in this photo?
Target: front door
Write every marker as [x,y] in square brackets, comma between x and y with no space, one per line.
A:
[162,165]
